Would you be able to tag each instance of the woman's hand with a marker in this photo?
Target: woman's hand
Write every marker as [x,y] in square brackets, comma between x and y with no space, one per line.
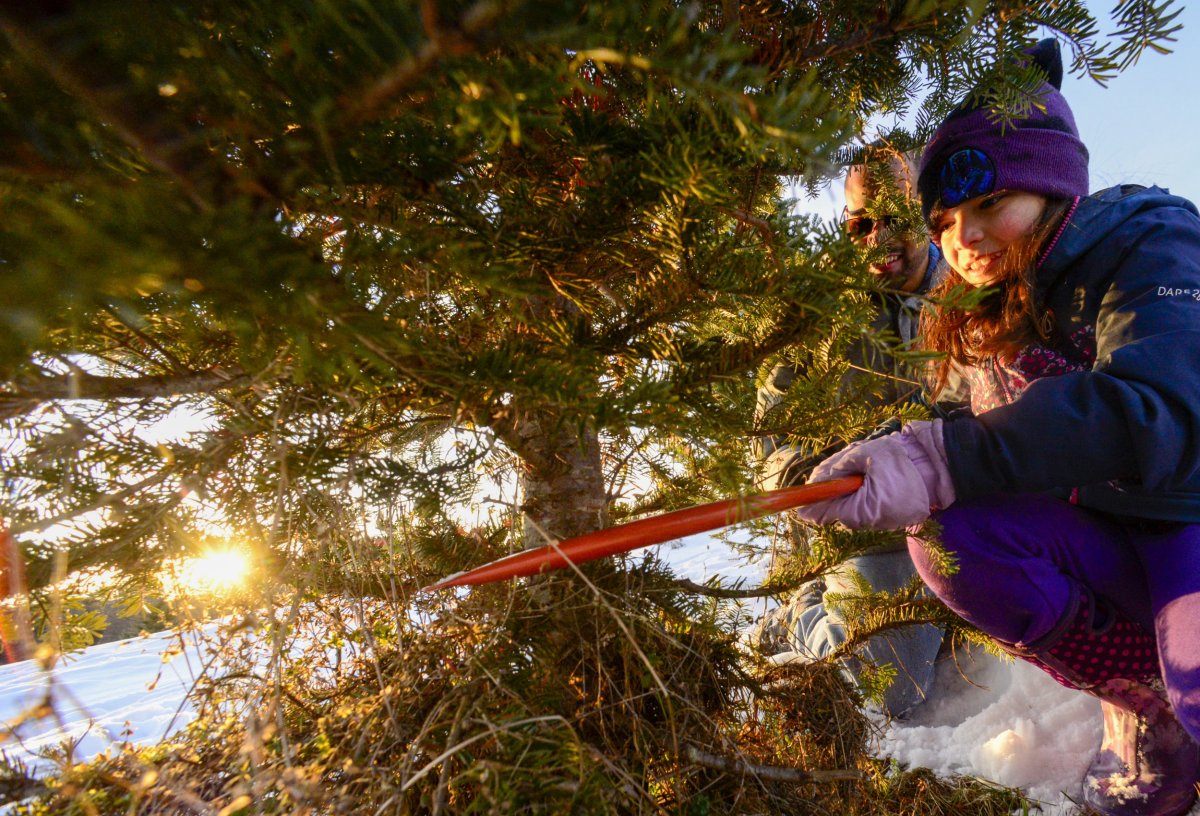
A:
[905,478]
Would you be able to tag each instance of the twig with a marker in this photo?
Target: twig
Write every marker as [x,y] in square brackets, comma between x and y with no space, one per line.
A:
[764,591]
[443,41]
[453,749]
[761,226]
[620,622]
[439,795]
[772,772]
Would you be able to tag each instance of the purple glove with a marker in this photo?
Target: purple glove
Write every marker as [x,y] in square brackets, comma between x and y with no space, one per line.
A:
[905,478]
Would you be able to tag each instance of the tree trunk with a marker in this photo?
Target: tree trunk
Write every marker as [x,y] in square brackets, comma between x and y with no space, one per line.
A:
[563,492]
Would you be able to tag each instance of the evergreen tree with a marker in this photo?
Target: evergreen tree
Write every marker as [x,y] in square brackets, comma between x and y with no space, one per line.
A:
[392,257]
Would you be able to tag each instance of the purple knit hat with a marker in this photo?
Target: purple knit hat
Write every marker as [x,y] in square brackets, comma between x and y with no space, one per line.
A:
[970,156]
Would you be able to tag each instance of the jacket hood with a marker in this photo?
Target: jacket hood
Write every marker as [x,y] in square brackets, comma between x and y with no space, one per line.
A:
[1097,216]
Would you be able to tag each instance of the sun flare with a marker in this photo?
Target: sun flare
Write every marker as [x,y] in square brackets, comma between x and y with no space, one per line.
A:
[216,571]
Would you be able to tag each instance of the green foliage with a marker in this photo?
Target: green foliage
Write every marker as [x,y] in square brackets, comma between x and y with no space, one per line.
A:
[71,625]
[336,231]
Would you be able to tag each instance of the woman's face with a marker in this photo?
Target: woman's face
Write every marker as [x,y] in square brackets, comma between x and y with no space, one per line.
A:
[976,235]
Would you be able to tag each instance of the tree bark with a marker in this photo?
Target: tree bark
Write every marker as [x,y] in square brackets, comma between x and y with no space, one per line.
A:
[563,490]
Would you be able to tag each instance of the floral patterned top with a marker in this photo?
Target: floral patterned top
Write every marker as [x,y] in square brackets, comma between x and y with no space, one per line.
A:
[998,382]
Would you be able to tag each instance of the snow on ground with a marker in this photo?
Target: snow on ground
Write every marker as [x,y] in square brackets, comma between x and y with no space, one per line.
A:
[130,690]
[1000,720]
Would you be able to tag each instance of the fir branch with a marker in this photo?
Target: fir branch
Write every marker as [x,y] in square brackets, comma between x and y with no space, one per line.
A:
[114,500]
[110,104]
[862,41]
[127,325]
[26,396]
[888,618]
[443,41]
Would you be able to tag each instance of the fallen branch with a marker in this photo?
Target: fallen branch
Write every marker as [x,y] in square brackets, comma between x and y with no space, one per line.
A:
[771,772]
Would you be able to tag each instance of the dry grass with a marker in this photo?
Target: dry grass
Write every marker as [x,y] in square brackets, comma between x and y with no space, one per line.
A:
[611,695]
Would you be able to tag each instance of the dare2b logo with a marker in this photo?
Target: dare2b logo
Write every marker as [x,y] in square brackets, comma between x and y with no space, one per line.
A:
[1167,291]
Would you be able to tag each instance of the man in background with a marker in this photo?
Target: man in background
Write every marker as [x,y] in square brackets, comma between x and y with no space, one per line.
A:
[879,193]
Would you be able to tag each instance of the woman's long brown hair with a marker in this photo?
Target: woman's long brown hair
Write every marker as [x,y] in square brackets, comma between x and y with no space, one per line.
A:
[1008,319]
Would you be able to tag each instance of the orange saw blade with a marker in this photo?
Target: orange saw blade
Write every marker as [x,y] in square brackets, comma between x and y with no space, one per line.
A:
[644,532]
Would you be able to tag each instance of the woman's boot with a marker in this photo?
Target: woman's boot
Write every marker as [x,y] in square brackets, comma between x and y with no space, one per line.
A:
[1147,764]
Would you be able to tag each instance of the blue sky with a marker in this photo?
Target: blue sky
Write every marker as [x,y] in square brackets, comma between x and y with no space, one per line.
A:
[1142,128]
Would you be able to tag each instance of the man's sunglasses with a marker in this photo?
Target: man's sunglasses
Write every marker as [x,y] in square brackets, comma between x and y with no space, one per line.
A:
[860,226]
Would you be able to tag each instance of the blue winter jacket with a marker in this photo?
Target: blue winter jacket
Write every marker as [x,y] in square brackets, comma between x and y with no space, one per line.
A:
[1119,424]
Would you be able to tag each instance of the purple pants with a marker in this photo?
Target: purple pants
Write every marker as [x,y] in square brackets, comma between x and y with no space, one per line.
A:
[1021,557]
